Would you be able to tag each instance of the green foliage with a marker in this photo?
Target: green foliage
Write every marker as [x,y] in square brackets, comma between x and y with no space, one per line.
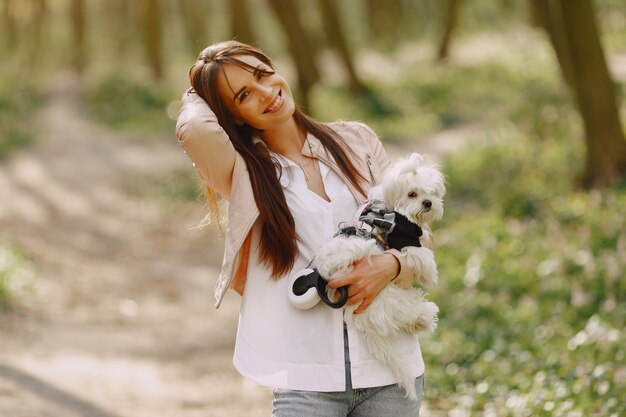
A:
[14,275]
[181,186]
[429,98]
[18,105]
[125,103]
[612,23]
[532,286]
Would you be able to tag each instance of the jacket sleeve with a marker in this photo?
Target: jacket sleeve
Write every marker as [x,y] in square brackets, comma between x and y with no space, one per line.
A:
[205,143]
[405,277]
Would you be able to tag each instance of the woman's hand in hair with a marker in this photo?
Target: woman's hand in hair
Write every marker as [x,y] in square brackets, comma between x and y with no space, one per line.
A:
[367,279]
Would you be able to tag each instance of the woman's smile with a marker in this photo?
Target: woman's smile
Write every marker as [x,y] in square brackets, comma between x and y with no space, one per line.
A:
[256,94]
[276,104]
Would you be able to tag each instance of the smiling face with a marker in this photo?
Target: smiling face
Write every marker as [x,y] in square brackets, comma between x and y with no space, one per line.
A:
[254,93]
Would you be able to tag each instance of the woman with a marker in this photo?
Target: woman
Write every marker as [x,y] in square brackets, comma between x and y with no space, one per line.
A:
[290,180]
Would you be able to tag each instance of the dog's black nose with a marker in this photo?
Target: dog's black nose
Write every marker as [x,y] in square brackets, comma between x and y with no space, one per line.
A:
[427,204]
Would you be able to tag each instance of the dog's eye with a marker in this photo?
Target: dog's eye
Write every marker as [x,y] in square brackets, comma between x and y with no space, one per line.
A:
[412,194]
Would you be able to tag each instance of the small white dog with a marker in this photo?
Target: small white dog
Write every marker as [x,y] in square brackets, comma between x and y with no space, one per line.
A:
[413,189]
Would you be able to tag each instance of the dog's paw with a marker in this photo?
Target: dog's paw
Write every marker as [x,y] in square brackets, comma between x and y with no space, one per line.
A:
[426,318]
[422,261]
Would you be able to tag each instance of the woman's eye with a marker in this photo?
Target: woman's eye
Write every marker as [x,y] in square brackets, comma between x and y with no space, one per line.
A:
[412,194]
[261,72]
[243,96]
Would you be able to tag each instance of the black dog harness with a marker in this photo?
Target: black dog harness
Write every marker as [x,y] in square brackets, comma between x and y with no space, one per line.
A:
[391,230]
[392,227]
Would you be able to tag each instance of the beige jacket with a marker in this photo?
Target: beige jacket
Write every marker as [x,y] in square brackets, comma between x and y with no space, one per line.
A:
[225,171]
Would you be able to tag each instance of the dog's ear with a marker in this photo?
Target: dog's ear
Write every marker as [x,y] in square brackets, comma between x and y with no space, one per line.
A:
[441,189]
[440,184]
[411,164]
[416,158]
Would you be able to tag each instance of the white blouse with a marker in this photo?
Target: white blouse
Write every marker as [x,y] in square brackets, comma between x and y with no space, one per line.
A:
[283,347]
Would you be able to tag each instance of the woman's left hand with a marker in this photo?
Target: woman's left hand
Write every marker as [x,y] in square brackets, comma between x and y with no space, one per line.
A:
[367,279]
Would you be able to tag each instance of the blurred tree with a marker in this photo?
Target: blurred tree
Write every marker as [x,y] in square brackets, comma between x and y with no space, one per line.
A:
[153,36]
[448,25]
[337,41]
[78,13]
[595,94]
[119,19]
[241,25]
[300,46]
[545,14]
[194,18]
[40,12]
[383,18]
[9,24]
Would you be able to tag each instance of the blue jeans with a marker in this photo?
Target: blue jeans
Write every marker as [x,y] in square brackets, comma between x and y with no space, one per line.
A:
[388,400]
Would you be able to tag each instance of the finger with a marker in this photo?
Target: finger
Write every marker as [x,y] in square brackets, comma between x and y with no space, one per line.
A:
[361,308]
[355,299]
[341,282]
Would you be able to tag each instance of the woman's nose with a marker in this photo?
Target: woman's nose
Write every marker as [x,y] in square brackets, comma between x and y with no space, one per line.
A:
[265,91]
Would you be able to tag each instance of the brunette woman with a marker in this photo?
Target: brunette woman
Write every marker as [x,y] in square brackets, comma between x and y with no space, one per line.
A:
[290,180]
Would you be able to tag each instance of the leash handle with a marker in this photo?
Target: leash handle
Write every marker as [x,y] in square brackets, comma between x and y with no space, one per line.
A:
[308,287]
[322,287]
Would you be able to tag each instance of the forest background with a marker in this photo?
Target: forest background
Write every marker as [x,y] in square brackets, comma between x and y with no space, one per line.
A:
[106,286]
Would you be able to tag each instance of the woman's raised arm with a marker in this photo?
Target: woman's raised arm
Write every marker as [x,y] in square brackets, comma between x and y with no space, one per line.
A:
[206,143]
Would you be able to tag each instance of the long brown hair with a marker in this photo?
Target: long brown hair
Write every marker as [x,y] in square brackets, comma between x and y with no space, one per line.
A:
[278,243]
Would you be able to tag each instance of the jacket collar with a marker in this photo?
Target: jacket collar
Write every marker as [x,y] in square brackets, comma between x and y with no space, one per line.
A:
[311,146]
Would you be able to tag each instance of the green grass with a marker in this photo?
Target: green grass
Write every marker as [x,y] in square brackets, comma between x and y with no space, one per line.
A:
[532,283]
[183,185]
[18,105]
[14,274]
[135,105]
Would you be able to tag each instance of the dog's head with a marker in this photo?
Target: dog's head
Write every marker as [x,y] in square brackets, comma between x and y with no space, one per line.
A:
[415,188]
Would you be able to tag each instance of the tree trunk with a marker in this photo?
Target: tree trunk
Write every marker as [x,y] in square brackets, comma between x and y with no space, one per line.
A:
[449,24]
[300,46]
[194,15]
[384,18]
[10,26]
[606,147]
[153,36]
[337,41]
[120,22]
[79,58]
[38,27]
[241,24]
[546,14]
